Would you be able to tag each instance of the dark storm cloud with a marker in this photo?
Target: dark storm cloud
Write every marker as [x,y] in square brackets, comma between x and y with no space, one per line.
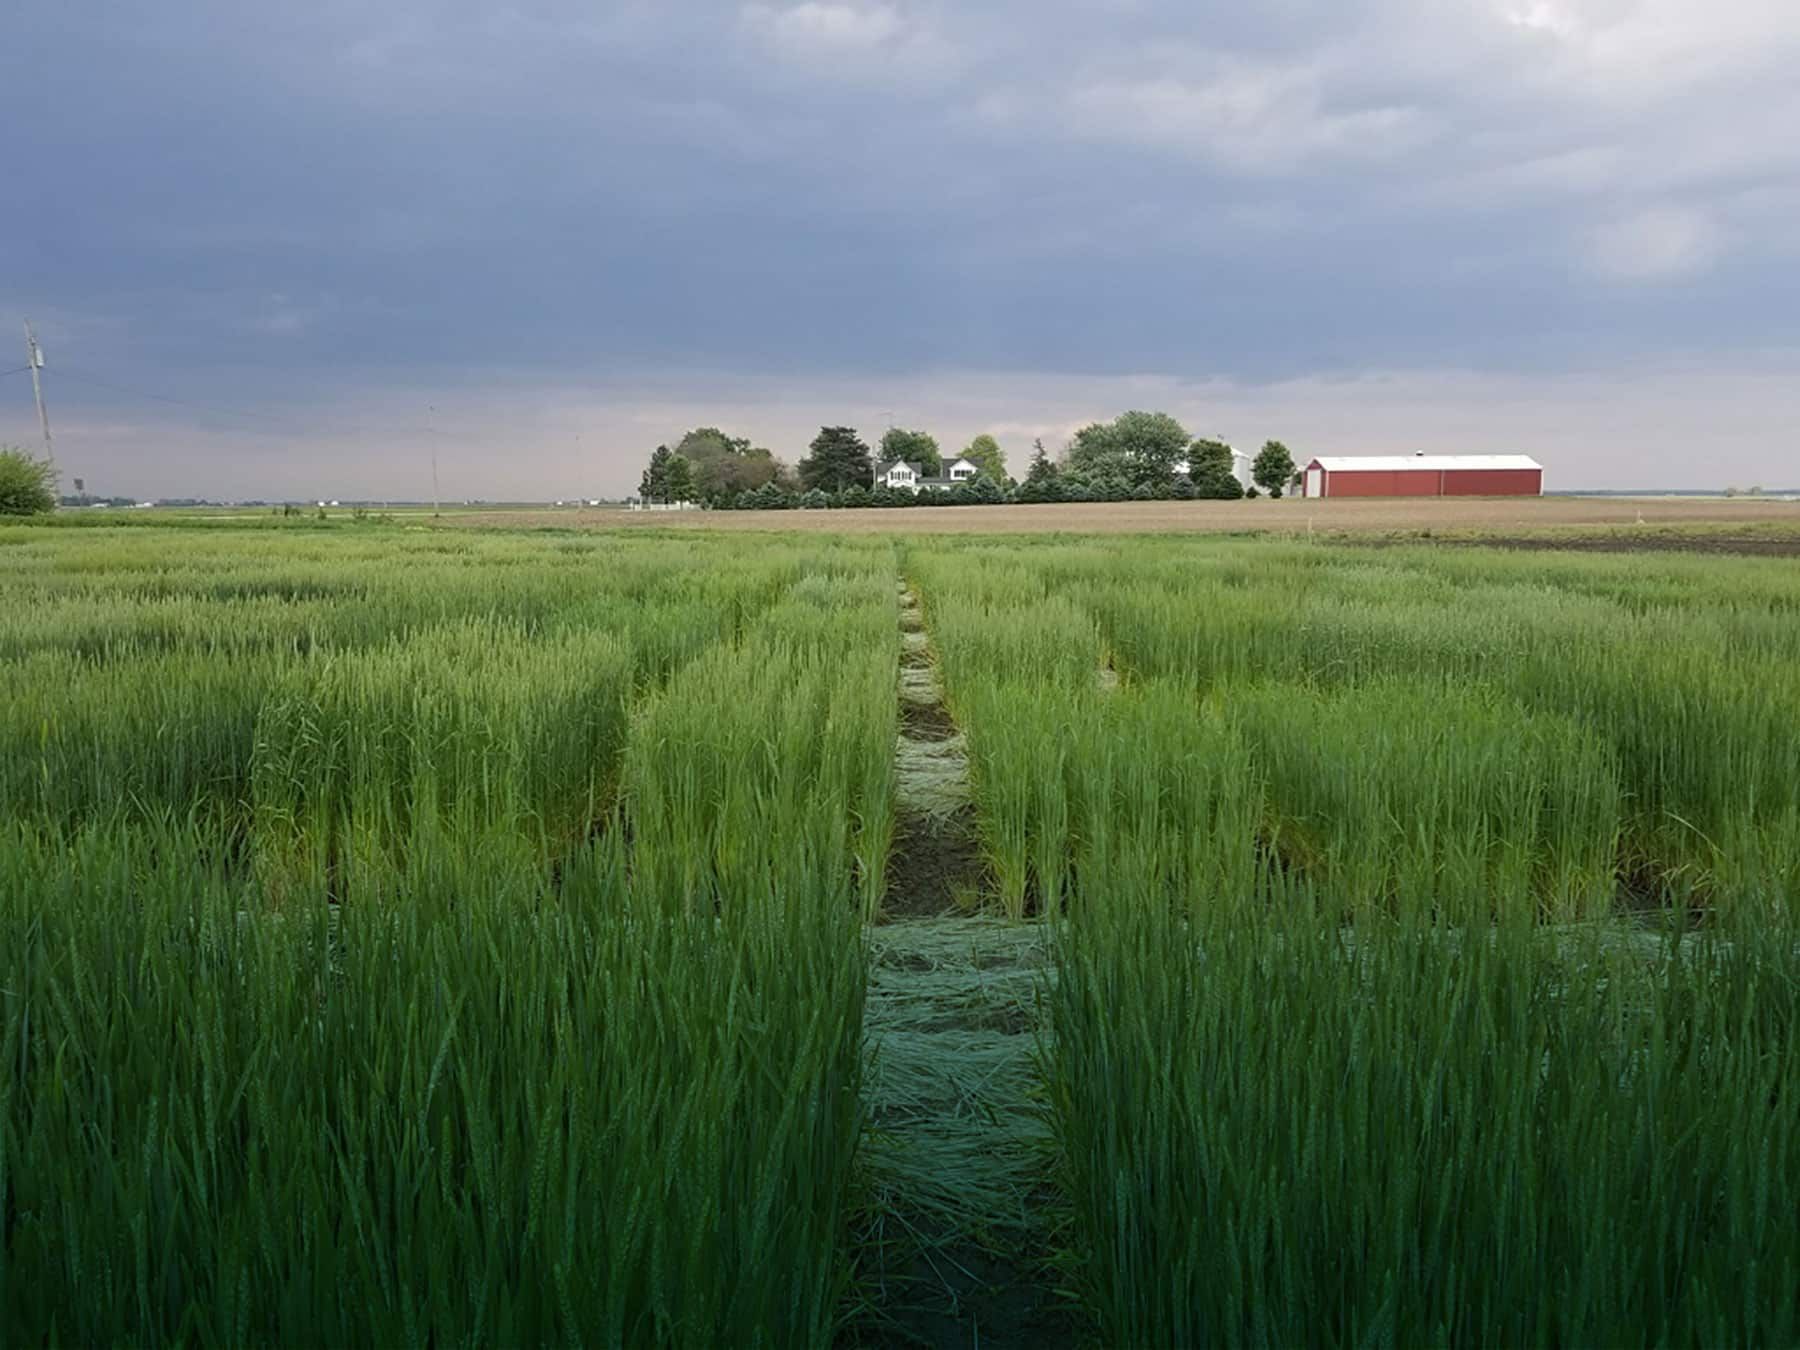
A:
[312,202]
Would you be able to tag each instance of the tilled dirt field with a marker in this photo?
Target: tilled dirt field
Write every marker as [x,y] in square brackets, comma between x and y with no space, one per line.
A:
[1669,540]
[1610,523]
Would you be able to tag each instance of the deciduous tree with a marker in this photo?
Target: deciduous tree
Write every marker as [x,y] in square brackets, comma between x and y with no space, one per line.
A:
[27,485]
[985,454]
[1209,470]
[724,465]
[916,447]
[1142,448]
[1273,468]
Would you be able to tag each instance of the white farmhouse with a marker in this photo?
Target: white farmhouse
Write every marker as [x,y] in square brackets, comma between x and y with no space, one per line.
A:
[961,470]
[905,476]
[900,475]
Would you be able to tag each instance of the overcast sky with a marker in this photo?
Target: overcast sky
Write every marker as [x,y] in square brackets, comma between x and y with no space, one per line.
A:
[332,237]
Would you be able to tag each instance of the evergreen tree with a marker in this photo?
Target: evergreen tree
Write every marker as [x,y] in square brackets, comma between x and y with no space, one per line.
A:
[983,491]
[678,483]
[769,497]
[654,485]
[1042,480]
[1218,486]
[838,459]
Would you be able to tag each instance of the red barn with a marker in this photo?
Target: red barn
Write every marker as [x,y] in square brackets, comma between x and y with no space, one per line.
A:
[1423,476]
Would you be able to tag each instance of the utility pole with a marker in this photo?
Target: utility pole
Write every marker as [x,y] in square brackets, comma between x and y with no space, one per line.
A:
[35,358]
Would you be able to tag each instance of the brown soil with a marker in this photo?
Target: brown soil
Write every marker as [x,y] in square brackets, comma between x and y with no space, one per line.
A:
[1504,516]
[1770,546]
[934,862]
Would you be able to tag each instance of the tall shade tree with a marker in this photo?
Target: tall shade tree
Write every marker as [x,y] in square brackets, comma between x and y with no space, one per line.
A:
[984,452]
[725,465]
[837,459]
[27,485]
[1142,448]
[916,447]
[1273,468]
[1209,470]
[1208,456]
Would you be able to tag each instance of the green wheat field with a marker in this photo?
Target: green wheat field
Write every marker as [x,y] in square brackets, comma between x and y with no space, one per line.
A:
[416,937]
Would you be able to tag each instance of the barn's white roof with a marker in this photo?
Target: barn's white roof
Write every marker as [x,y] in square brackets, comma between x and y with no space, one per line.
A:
[1389,463]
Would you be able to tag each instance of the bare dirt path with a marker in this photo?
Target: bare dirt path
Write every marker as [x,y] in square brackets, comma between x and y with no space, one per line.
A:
[956,1250]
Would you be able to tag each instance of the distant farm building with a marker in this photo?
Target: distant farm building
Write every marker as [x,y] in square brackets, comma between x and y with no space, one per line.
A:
[1241,469]
[903,475]
[1423,476]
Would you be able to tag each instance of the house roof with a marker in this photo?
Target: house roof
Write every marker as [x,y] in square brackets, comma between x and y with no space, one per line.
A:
[942,479]
[1393,463]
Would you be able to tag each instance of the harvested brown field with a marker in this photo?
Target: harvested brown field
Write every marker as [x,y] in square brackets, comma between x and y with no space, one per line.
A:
[1760,526]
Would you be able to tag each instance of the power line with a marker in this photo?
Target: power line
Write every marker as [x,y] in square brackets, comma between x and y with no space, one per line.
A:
[264,420]
[16,370]
[214,409]
[275,422]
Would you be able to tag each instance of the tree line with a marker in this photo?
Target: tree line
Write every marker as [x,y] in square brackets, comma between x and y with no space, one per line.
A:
[1138,456]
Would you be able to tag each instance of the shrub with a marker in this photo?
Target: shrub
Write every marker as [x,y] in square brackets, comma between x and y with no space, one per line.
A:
[770,497]
[982,491]
[1218,487]
[27,485]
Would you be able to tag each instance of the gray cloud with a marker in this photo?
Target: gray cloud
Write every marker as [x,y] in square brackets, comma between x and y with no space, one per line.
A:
[333,206]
